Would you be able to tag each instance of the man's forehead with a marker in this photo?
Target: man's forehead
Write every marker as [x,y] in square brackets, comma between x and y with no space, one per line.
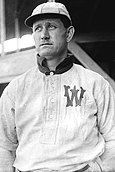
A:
[48,20]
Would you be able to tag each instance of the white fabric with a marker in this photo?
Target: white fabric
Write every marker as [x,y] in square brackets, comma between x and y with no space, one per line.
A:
[58,122]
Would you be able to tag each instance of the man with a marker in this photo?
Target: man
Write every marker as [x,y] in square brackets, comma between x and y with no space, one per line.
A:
[58,116]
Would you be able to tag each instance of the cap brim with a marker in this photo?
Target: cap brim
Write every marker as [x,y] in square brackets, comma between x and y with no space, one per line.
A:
[32,19]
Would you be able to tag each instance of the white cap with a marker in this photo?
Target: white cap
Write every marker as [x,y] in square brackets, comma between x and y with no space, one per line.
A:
[54,9]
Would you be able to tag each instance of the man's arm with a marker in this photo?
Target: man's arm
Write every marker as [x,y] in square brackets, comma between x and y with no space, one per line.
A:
[6,160]
[8,136]
[106,123]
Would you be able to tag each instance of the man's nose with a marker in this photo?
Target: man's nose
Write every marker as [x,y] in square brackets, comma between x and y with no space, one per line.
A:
[45,34]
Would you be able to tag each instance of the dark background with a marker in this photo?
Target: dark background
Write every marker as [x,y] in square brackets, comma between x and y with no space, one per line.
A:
[93,20]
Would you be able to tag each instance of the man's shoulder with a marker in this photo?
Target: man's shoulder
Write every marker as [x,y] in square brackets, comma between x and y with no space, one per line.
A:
[81,70]
[90,77]
[24,78]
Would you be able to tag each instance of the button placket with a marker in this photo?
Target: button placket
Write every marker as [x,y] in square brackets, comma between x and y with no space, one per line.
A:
[51,113]
[49,131]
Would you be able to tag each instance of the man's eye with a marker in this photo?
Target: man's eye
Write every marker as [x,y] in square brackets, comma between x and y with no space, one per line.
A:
[52,27]
[37,28]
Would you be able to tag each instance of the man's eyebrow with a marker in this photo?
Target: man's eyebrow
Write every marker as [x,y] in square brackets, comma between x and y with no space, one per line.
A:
[38,24]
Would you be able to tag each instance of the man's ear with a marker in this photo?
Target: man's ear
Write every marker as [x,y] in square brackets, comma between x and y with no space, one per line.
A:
[70,33]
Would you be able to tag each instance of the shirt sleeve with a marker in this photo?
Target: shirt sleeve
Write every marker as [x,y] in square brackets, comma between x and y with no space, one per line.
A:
[8,138]
[106,124]
[6,160]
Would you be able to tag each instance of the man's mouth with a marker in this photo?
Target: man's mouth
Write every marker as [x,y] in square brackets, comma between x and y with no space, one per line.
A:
[45,44]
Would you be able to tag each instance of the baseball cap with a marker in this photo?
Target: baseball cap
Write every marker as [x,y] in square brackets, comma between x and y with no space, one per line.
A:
[49,9]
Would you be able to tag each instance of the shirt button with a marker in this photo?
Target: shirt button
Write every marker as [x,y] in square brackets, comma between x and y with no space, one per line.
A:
[51,116]
[51,73]
[52,100]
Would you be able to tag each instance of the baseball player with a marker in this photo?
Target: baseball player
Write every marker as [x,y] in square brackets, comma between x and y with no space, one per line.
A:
[58,116]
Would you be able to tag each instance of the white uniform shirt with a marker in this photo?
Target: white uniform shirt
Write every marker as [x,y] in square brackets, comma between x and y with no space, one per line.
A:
[58,122]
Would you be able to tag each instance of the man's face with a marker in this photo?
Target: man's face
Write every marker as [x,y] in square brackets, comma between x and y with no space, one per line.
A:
[50,38]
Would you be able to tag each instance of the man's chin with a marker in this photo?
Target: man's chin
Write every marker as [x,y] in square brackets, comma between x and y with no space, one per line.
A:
[46,54]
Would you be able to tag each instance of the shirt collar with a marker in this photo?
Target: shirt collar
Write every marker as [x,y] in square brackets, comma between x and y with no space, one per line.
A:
[64,66]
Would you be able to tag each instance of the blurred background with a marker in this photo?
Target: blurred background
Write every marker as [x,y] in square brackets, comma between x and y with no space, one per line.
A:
[93,45]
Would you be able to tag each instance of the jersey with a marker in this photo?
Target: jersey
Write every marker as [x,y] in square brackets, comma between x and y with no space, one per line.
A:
[58,121]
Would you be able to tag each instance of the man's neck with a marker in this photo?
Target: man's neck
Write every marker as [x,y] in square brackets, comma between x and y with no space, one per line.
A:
[52,64]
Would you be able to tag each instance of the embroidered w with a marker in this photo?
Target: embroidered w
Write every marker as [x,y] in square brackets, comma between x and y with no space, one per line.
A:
[74,95]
